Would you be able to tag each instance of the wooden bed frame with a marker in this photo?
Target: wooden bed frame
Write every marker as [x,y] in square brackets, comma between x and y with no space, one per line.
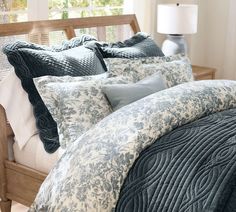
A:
[17,182]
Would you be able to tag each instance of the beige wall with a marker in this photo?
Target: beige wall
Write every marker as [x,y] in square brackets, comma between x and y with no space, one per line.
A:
[207,46]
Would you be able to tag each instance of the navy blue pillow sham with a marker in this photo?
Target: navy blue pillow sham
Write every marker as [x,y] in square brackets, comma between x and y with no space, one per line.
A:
[140,45]
[31,60]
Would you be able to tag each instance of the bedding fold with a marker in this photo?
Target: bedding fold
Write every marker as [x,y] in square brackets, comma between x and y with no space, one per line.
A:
[90,174]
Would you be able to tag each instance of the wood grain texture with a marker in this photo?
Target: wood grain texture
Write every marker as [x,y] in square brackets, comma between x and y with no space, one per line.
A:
[5,203]
[203,73]
[5,206]
[17,182]
[68,25]
[3,153]
[70,32]
[21,178]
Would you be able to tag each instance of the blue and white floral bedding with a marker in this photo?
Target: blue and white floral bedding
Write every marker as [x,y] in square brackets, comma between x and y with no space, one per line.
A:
[90,175]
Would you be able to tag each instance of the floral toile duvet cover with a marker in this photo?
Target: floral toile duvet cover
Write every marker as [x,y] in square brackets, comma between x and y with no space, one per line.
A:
[109,168]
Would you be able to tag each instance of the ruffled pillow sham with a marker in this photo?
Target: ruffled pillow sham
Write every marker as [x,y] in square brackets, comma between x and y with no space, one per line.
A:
[175,69]
[140,45]
[76,103]
[31,60]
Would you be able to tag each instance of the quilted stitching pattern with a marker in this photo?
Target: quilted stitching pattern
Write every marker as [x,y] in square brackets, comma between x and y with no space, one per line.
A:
[31,60]
[186,170]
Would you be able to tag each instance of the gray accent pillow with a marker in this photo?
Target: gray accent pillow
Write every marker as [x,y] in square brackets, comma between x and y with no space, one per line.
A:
[120,95]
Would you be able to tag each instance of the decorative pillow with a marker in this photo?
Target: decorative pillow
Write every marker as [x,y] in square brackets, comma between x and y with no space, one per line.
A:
[117,66]
[31,60]
[75,105]
[74,42]
[175,72]
[140,45]
[120,95]
[44,80]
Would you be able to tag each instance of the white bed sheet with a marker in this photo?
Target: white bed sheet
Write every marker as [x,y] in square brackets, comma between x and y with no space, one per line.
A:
[33,155]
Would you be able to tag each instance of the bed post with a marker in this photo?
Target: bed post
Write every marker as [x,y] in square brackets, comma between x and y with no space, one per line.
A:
[5,203]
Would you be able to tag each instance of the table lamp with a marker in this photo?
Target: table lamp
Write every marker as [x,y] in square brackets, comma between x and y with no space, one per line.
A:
[175,20]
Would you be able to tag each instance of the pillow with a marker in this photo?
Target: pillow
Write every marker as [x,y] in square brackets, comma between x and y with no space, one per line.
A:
[140,45]
[74,42]
[175,72]
[44,80]
[31,60]
[75,105]
[117,66]
[120,95]
[22,120]
[18,109]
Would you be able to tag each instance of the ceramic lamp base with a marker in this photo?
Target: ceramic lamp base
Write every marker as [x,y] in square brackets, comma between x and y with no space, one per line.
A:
[174,44]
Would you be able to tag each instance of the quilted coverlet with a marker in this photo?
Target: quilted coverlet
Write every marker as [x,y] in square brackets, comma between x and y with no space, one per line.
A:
[191,168]
[90,175]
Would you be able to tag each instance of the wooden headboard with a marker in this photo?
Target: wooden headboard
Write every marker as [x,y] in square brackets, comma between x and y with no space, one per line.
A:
[68,25]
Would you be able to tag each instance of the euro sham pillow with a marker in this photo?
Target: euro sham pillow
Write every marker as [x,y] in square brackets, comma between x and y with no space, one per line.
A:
[120,95]
[174,71]
[118,66]
[76,104]
[74,42]
[31,60]
[140,45]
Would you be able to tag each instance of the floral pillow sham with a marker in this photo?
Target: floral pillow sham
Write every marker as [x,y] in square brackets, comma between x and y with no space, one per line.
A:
[175,72]
[175,69]
[113,63]
[31,60]
[118,66]
[76,104]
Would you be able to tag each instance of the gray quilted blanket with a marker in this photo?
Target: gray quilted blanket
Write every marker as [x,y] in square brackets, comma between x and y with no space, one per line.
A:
[90,174]
[192,168]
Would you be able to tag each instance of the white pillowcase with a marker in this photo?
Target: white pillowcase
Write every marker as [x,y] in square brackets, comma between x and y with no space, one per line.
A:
[18,109]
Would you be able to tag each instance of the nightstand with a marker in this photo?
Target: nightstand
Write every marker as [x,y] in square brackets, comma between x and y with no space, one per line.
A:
[203,73]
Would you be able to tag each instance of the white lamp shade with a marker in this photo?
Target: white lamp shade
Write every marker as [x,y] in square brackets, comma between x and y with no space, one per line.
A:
[177,19]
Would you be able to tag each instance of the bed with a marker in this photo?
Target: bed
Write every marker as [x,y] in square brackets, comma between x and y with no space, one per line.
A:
[18,182]
[21,183]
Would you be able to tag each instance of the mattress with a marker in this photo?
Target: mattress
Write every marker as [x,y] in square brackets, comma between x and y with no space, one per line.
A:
[34,156]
